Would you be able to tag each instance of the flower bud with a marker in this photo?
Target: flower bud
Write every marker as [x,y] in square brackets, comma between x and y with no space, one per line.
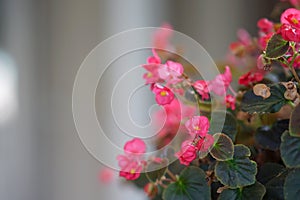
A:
[151,190]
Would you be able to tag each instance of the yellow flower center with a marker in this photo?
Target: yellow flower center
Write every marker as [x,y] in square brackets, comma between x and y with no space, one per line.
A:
[132,171]
[295,21]
[149,74]
[197,128]
[163,93]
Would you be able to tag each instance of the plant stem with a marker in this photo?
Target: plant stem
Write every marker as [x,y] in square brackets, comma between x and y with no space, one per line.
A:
[173,177]
[292,69]
[232,90]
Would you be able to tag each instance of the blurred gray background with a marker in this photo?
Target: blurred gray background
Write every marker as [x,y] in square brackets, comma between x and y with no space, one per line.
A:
[42,46]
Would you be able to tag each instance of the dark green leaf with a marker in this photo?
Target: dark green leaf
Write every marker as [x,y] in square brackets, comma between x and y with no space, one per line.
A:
[238,172]
[274,187]
[227,126]
[292,185]
[276,47]
[269,171]
[190,185]
[290,150]
[295,122]
[269,137]
[251,192]
[252,103]
[223,147]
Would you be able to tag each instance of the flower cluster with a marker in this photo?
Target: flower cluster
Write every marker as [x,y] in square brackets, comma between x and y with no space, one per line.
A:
[132,162]
[219,86]
[224,156]
[197,127]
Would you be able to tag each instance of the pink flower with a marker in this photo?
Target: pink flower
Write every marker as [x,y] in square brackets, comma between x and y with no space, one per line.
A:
[291,16]
[201,87]
[106,175]
[131,164]
[152,66]
[162,36]
[263,40]
[296,63]
[295,3]
[250,78]
[172,115]
[289,33]
[131,171]
[205,143]
[187,154]
[221,83]
[244,37]
[265,25]
[244,43]
[171,72]
[230,102]
[135,146]
[198,125]
[163,95]
[290,29]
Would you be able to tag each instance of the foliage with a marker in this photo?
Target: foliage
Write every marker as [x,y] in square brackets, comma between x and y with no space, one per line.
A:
[251,150]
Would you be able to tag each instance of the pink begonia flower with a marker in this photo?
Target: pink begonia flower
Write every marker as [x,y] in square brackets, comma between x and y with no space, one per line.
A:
[163,95]
[244,42]
[230,101]
[291,16]
[131,164]
[250,78]
[263,40]
[131,171]
[265,25]
[296,63]
[106,175]
[244,37]
[135,146]
[162,36]
[172,115]
[152,66]
[171,72]
[205,143]
[290,29]
[201,86]
[295,3]
[260,62]
[187,154]
[221,83]
[198,125]
[290,33]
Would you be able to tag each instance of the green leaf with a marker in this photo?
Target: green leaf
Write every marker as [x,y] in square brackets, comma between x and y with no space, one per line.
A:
[155,170]
[252,103]
[290,150]
[276,47]
[292,185]
[190,185]
[251,192]
[274,186]
[227,126]
[268,171]
[239,171]
[223,147]
[269,137]
[295,122]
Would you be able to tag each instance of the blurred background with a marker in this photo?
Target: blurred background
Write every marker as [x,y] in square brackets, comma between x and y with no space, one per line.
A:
[42,44]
